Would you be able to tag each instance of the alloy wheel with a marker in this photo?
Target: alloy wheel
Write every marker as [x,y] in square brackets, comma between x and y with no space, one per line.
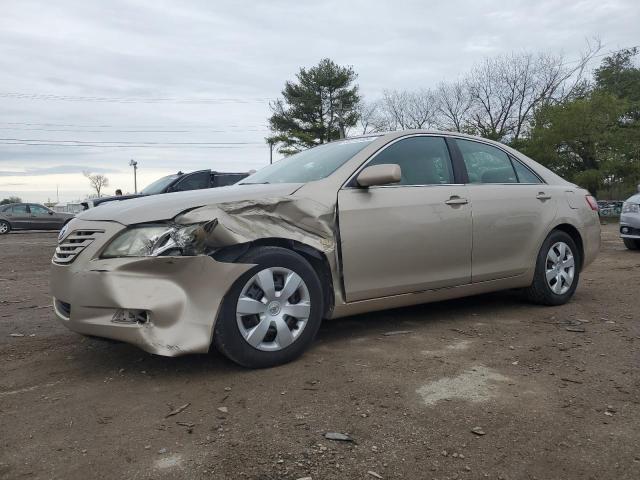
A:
[273,309]
[560,268]
[4,227]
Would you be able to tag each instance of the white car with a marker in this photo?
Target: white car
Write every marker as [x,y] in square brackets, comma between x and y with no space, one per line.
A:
[630,222]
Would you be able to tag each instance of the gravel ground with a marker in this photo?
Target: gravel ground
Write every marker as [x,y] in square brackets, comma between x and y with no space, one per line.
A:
[485,387]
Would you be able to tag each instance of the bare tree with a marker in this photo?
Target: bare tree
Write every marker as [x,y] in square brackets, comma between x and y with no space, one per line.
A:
[97,181]
[371,118]
[453,102]
[409,109]
[506,90]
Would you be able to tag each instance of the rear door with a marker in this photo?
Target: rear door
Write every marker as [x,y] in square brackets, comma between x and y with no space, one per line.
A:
[406,237]
[512,209]
[20,216]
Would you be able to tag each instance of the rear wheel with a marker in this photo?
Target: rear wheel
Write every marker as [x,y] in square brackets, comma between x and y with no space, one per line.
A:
[5,227]
[557,270]
[631,243]
[272,312]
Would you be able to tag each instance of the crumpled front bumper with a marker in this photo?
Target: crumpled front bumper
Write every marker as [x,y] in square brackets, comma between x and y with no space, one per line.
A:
[180,295]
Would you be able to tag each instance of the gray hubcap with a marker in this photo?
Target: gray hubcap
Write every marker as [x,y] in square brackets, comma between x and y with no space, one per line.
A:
[560,268]
[273,309]
[4,228]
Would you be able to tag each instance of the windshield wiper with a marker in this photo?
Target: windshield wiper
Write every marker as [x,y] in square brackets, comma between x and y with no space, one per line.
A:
[253,183]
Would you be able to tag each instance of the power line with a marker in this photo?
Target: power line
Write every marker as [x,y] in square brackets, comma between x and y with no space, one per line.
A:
[33,124]
[80,142]
[164,146]
[37,129]
[98,99]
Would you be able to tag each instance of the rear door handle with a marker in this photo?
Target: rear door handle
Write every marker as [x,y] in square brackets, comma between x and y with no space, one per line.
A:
[543,196]
[457,201]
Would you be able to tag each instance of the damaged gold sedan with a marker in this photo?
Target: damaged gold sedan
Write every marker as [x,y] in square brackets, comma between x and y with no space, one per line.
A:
[348,227]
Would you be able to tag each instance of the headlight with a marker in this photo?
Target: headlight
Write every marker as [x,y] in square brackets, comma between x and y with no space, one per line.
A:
[157,240]
[628,207]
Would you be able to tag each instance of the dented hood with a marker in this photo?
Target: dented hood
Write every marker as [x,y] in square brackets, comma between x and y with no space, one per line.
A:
[166,206]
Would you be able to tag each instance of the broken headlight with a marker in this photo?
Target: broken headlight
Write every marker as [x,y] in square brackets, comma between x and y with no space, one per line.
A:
[156,240]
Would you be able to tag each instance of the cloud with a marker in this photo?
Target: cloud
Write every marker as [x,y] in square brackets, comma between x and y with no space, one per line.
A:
[243,50]
[58,169]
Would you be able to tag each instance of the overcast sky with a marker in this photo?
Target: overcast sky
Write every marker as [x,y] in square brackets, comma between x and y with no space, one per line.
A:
[75,75]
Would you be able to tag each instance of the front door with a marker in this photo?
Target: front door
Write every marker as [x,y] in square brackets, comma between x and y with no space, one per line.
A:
[41,218]
[411,236]
[20,216]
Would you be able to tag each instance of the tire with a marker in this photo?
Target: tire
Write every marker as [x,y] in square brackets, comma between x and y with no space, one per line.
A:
[550,292]
[5,227]
[266,325]
[631,243]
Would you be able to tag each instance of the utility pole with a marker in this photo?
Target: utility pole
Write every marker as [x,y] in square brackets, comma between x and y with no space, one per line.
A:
[134,164]
[272,143]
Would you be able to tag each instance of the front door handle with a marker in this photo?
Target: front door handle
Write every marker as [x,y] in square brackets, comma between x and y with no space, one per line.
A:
[455,200]
[543,196]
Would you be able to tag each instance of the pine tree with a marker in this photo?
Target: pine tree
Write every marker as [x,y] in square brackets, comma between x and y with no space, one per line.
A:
[316,108]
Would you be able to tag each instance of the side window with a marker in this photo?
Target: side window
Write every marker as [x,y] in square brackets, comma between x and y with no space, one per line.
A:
[20,210]
[194,181]
[524,174]
[224,179]
[423,160]
[486,164]
[38,210]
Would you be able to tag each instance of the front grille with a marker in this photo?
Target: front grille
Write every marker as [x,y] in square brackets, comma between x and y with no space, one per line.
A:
[69,248]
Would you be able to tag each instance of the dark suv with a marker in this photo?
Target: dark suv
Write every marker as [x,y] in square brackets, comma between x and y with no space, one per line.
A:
[30,216]
[177,182]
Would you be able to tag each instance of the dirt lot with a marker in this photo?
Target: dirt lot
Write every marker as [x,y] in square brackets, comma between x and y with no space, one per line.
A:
[554,390]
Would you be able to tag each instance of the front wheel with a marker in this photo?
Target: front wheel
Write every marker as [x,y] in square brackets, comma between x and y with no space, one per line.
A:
[5,227]
[630,243]
[557,270]
[272,312]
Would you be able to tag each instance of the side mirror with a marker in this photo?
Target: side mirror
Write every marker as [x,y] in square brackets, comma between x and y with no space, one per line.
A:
[50,212]
[382,174]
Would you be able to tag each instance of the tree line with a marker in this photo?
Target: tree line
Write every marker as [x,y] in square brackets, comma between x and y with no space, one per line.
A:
[583,125]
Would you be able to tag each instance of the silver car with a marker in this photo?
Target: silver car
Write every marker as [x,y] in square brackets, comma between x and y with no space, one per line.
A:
[630,222]
[352,226]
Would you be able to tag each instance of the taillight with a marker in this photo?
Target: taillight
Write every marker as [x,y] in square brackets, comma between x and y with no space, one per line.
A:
[592,202]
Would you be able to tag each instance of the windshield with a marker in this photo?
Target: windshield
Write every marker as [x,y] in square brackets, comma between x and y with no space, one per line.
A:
[309,165]
[159,185]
